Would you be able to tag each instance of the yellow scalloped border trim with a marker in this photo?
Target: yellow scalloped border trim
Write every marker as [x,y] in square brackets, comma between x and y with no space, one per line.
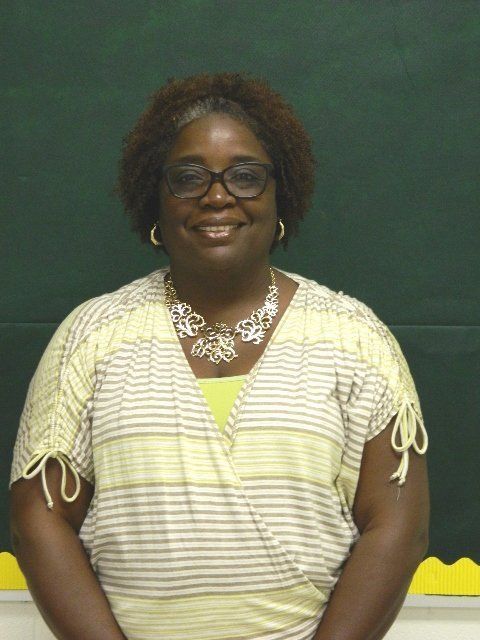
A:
[462,578]
[432,577]
[10,575]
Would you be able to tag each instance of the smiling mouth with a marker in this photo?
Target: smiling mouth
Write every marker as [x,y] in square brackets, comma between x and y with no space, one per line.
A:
[218,228]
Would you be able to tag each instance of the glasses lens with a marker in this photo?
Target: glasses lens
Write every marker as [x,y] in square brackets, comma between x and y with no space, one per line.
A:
[246,180]
[187,181]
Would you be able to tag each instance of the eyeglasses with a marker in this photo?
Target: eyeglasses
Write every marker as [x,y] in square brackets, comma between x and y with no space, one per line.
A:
[245,180]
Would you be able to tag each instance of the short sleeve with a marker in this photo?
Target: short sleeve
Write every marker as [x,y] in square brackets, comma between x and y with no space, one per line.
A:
[383,388]
[394,384]
[55,421]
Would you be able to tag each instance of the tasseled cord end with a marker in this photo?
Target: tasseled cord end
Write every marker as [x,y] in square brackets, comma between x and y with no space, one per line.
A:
[404,436]
[33,468]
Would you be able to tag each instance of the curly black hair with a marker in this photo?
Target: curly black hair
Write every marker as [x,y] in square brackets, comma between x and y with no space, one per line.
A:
[247,99]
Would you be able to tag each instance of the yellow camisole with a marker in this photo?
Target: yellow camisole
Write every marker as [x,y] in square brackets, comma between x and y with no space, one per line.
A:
[220,394]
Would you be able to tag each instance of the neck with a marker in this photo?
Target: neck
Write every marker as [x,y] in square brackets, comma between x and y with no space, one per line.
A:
[222,295]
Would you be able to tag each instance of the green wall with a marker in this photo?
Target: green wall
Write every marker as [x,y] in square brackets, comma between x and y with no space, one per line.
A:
[389,91]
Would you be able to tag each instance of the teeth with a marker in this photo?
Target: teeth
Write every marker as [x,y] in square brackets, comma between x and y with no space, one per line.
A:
[218,228]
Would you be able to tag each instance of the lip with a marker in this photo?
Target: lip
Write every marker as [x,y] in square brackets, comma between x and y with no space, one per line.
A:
[217,229]
[218,221]
[217,233]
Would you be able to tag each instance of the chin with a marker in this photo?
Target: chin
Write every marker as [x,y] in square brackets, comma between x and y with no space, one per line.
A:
[221,258]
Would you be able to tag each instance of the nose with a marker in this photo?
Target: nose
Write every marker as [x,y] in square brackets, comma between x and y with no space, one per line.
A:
[217,196]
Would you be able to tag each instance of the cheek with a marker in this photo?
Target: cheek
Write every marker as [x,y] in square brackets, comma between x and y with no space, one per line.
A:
[167,203]
[271,193]
[164,204]
[272,207]
[171,210]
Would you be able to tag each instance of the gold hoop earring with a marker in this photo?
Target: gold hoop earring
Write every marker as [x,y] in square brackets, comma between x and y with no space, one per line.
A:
[282,230]
[153,240]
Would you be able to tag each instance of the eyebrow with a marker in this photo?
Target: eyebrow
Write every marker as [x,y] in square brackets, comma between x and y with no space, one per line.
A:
[200,159]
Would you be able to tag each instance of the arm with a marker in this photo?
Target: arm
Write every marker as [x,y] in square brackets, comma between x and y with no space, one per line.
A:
[53,560]
[393,524]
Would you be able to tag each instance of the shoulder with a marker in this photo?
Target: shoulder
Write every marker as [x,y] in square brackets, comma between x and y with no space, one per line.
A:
[349,323]
[104,311]
[337,302]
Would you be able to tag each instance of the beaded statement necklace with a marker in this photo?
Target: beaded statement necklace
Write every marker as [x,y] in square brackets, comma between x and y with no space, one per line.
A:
[217,341]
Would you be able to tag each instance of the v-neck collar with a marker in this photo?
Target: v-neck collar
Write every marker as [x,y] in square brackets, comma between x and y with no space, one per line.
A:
[227,438]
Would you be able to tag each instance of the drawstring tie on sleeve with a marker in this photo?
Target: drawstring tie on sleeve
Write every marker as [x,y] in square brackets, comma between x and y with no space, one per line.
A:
[405,431]
[31,470]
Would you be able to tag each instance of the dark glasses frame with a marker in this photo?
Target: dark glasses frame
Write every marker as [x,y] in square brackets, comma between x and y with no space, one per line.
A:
[217,176]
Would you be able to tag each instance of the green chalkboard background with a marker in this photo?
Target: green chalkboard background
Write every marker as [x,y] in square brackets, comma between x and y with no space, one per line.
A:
[390,92]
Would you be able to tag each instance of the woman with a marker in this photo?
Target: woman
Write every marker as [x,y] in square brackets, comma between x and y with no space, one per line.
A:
[168,519]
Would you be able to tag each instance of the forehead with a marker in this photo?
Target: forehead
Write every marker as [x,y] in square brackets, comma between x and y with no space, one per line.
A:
[217,138]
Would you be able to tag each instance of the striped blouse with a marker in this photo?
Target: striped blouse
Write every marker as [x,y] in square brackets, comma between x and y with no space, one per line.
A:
[195,533]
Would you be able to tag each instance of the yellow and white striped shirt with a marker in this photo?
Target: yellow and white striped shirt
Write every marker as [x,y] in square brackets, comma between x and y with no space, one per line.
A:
[198,533]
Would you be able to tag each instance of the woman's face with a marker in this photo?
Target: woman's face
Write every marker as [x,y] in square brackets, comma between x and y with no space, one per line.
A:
[216,142]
